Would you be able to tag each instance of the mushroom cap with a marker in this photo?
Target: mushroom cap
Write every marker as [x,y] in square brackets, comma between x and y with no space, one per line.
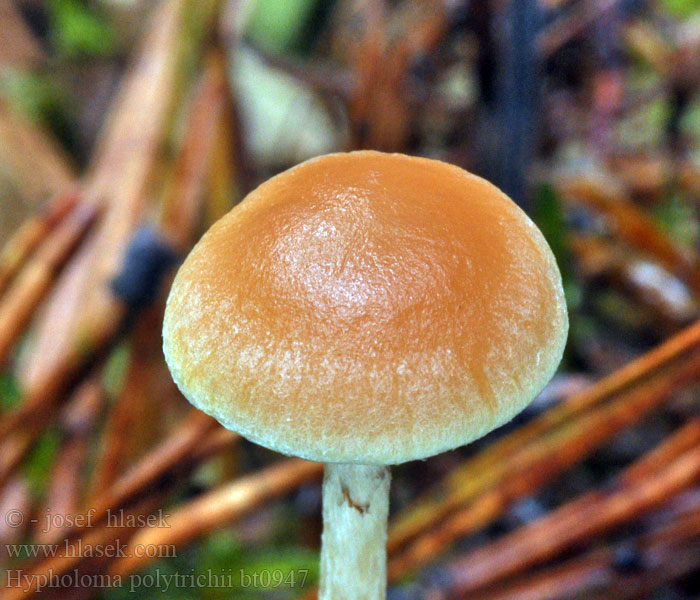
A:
[367,308]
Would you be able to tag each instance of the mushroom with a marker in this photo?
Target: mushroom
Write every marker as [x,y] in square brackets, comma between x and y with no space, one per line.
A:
[365,309]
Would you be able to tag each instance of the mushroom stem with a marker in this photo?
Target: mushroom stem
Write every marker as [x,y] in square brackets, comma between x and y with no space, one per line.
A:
[353,550]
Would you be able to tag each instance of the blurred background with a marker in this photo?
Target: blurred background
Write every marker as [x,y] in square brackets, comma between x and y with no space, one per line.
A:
[128,126]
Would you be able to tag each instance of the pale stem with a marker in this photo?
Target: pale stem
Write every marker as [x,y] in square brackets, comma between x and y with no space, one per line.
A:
[353,549]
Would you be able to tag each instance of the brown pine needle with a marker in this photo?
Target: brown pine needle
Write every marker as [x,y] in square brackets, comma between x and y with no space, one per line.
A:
[41,401]
[229,174]
[217,441]
[195,440]
[214,509]
[16,496]
[488,496]
[173,451]
[662,555]
[589,573]
[30,235]
[659,475]
[16,445]
[461,484]
[220,507]
[71,556]
[65,485]
[206,119]
[133,424]
[14,448]
[34,279]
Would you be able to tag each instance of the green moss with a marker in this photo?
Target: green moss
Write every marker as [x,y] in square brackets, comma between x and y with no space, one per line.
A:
[681,9]
[243,573]
[78,30]
[40,461]
[278,25]
[9,391]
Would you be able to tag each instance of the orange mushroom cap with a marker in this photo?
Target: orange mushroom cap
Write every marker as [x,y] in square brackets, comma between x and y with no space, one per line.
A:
[367,308]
